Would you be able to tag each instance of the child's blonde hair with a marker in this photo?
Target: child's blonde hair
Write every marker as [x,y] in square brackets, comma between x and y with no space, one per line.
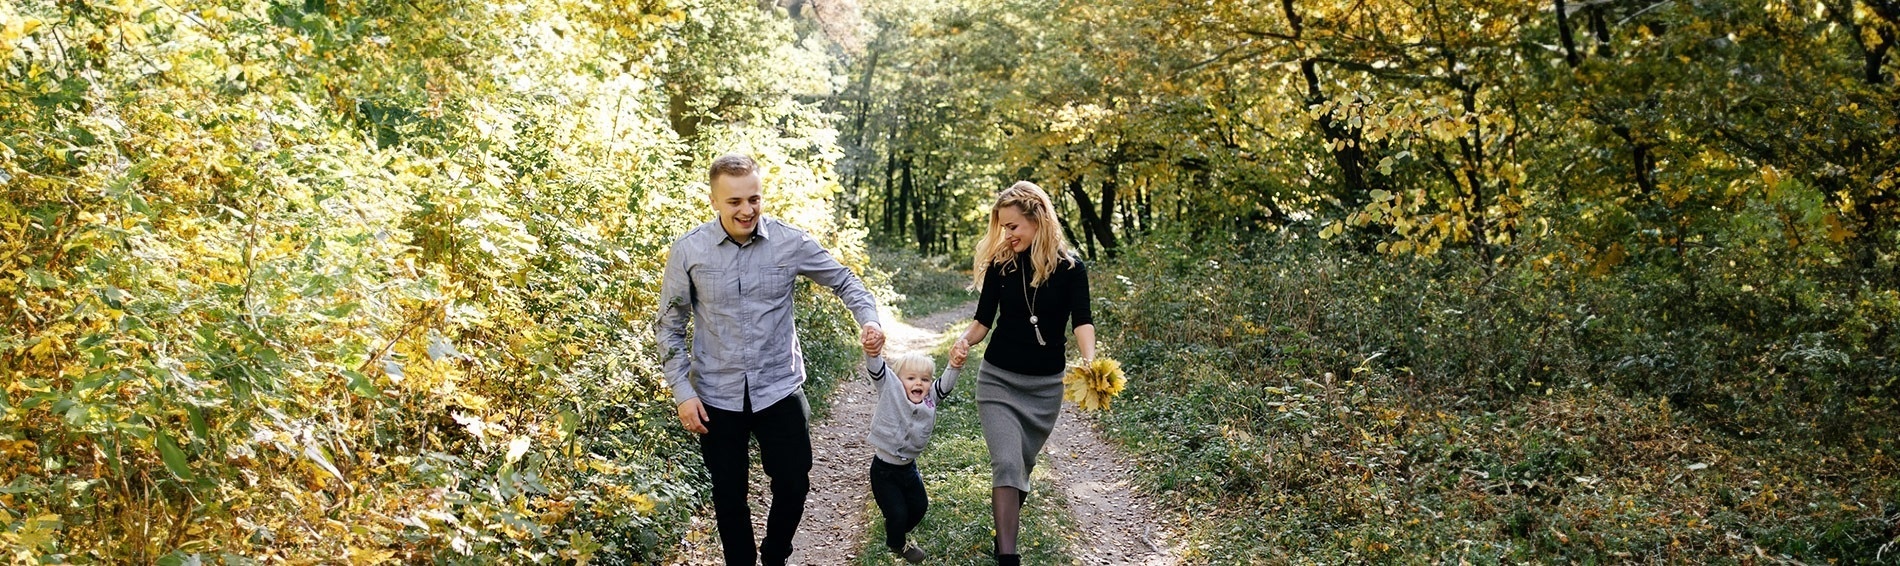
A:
[913,361]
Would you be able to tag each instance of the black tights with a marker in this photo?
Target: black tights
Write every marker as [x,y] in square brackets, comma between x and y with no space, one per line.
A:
[1006,507]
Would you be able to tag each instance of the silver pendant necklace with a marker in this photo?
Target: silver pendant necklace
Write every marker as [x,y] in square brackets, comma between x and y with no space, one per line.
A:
[1030,301]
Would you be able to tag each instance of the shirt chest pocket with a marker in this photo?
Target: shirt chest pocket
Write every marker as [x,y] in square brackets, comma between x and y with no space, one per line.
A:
[713,286]
[773,282]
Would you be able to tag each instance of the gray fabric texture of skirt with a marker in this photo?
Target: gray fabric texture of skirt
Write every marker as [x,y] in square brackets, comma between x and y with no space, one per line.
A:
[1017,411]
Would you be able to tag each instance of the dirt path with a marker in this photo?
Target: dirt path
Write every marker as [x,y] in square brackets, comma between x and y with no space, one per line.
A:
[834,523]
[1117,524]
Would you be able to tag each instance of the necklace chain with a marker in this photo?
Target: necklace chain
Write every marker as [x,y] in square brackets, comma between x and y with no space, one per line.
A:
[1030,301]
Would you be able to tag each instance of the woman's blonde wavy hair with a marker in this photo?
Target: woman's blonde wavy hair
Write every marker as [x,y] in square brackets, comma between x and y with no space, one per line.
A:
[1049,249]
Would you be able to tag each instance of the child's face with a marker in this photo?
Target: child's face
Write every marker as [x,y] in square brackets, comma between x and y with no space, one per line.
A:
[916,384]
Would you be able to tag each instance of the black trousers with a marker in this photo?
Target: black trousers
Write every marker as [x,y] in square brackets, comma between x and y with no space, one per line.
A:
[899,491]
[784,451]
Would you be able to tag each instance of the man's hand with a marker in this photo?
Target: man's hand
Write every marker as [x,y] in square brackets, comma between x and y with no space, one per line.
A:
[872,339]
[693,415]
[873,346]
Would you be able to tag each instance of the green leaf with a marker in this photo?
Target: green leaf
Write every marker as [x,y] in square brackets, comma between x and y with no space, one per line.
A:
[198,423]
[78,415]
[42,279]
[570,422]
[360,385]
[340,311]
[123,186]
[174,458]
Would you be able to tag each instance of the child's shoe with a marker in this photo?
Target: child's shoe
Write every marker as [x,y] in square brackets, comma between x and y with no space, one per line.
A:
[912,554]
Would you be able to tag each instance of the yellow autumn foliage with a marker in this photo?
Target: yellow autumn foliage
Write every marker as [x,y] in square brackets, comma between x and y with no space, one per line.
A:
[306,282]
[1094,384]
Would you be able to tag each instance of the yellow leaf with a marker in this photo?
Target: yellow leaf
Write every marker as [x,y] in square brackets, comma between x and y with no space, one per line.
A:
[1836,231]
[364,556]
[47,347]
[39,531]
[1608,259]
[471,401]
[1093,385]
[15,28]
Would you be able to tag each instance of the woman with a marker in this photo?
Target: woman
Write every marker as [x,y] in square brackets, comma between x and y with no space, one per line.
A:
[1032,285]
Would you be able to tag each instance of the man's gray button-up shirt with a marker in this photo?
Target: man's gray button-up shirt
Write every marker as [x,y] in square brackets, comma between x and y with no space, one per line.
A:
[739,301]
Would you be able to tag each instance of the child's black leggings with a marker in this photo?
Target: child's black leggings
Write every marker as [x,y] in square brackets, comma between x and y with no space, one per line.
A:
[899,491]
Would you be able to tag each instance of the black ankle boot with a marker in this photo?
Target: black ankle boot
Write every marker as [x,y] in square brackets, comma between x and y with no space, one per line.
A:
[1009,560]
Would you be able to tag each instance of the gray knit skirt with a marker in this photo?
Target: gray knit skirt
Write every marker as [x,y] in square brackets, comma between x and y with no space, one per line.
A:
[1017,411]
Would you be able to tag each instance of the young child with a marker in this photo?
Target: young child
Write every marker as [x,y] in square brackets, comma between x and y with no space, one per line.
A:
[906,413]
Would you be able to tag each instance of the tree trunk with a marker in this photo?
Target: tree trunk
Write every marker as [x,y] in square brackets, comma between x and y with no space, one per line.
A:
[1602,29]
[1874,57]
[864,96]
[1127,211]
[1473,149]
[1347,150]
[681,117]
[1086,206]
[908,215]
[890,173]
[1877,58]
[1200,183]
[1078,240]
[1104,224]
[1147,198]
[1565,37]
[1639,160]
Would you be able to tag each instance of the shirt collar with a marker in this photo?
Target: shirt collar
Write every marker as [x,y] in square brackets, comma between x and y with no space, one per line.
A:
[757,233]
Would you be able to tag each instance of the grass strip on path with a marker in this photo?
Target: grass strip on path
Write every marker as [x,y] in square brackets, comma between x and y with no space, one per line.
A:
[956,468]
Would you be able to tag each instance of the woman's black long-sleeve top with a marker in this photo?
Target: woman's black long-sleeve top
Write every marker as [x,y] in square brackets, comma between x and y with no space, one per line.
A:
[1063,299]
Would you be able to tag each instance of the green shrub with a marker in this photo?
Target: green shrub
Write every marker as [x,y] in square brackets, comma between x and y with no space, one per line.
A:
[923,285]
[1369,409]
[360,281]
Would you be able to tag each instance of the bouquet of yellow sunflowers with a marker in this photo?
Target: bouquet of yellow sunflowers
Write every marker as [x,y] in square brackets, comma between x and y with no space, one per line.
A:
[1091,385]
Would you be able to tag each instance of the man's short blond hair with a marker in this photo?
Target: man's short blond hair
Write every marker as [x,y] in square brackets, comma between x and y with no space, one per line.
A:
[731,165]
[914,361]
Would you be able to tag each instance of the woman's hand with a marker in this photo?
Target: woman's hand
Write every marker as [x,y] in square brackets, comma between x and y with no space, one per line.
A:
[972,335]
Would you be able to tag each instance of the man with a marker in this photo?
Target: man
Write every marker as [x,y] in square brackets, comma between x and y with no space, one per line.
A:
[744,377]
